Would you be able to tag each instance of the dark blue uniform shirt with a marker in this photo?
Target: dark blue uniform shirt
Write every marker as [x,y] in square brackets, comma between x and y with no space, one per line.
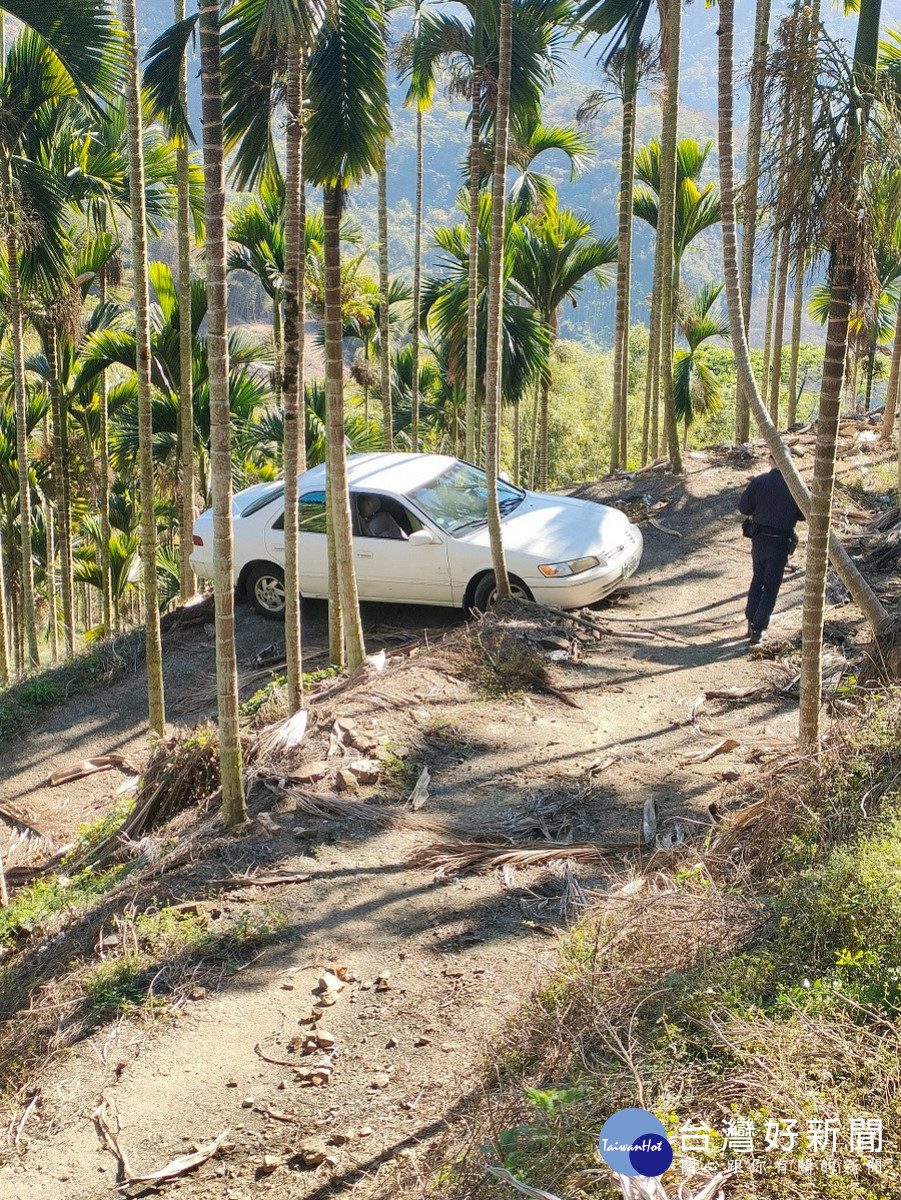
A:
[768,500]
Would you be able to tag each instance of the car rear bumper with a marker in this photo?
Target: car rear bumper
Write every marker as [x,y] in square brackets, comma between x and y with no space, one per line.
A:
[201,567]
[577,591]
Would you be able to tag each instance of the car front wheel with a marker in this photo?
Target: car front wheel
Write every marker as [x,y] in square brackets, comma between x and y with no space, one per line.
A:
[266,590]
[486,592]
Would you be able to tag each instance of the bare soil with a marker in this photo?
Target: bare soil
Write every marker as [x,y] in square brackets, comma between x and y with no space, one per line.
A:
[456,957]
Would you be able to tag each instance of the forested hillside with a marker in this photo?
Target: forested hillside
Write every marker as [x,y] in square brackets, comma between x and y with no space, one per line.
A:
[594,192]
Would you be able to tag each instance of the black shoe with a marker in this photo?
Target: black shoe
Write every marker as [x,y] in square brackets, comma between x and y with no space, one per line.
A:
[755,637]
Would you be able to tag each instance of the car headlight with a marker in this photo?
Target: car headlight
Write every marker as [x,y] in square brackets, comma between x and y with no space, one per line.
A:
[574,567]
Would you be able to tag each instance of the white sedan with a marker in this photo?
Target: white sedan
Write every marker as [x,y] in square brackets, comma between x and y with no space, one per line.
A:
[421,537]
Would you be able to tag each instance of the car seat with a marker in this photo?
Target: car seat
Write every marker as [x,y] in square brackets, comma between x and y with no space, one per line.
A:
[375,521]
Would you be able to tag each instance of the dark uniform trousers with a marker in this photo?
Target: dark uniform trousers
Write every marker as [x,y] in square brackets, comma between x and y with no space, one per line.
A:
[769,554]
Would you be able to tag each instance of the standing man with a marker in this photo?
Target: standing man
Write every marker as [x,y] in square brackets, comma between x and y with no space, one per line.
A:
[772,514]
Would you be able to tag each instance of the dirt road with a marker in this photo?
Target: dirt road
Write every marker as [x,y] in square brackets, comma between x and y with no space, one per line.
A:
[456,958]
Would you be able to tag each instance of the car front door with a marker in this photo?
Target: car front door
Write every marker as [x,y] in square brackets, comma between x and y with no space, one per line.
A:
[312,547]
[396,569]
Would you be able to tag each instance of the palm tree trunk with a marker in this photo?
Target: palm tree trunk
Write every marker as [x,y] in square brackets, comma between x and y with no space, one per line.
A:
[891,395]
[417,285]
[335,621]
[338,494]
[666,226]
[384,315]
[61,488]
[21,406]
[544,414]
[863,594]
[4,623]
[619,431]
[517,440]
[768,320]
[230,766]
[153,647]
[475,171]
[797,314]
[533,445]
[106,586]
[494,350]
[292,388]
[851,378]
[49,524]
[750,193]
[819,519]
[778,329]
[652,370]
[185,349]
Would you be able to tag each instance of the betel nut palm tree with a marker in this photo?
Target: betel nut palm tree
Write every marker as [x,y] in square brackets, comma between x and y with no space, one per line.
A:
[87,39]
[346,128]
[494,349]
[623,22]
[163,75]
[140,266]
[553,254]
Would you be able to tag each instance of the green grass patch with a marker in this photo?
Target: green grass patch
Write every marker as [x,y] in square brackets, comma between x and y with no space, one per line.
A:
[81,675]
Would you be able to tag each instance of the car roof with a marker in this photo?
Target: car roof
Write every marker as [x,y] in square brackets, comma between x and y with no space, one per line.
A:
[398,473]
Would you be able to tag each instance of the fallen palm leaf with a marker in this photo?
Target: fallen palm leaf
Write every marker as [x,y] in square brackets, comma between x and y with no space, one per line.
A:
[181,773]
[283,735]
[505,1176]
[640,1188]
[738,693]
[455,858]
[89,766]
[420,793]
[269,880]
[325,806]
[649,820]
[701,756]
[107,1119]
[601,764]
[664,528]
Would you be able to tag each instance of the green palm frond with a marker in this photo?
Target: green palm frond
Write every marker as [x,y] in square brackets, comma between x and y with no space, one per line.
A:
[162,71]
[347,90]
[85,34]
[621,21]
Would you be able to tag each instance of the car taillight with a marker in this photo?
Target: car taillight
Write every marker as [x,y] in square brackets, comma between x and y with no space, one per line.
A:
[198,541]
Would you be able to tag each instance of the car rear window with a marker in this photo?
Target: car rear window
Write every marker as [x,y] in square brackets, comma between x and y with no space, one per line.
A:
[261,502]
[311,514]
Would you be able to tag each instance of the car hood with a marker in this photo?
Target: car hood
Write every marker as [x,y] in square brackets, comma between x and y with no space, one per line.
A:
[558,528]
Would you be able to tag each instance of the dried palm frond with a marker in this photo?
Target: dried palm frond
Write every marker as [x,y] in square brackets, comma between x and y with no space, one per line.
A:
[328,806]
[454,858]
[544,818]
[282,736]
[181,773]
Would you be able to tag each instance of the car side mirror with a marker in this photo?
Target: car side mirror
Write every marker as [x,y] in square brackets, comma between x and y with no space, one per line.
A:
[421,537]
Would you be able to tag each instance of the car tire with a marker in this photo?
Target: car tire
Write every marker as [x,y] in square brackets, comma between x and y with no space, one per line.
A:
[266,591]
[486,592]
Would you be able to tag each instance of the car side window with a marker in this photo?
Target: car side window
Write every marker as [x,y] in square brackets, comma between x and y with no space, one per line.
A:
[378,516]
[311,514]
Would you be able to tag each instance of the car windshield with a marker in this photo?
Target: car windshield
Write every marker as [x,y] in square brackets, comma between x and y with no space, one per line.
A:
[458,499]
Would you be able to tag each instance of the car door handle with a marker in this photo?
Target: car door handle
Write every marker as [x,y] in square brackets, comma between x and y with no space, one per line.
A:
[364,554]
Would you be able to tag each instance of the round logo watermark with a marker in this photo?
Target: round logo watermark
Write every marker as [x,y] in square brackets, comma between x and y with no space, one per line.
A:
[633,1142]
